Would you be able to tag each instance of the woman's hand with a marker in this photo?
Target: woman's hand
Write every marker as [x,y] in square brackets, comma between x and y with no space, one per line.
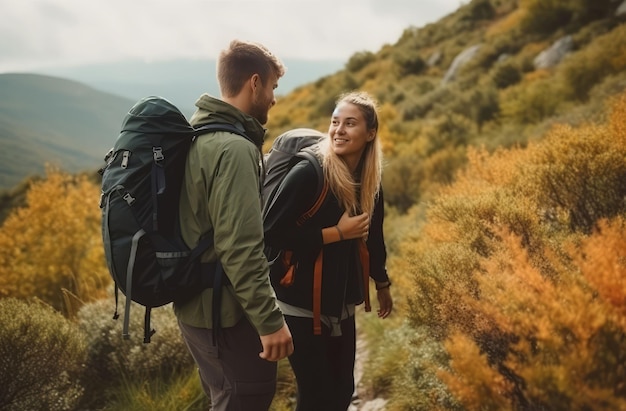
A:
[385,302]
[354,227]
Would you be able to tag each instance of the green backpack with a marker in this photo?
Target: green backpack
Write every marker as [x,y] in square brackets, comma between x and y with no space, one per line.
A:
[145,253]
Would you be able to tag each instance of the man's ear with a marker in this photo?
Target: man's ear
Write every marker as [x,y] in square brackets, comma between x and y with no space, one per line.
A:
[255,82]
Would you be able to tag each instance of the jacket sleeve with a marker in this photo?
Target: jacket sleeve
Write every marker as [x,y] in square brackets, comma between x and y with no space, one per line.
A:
[376,242]
[235,209]
[294,196]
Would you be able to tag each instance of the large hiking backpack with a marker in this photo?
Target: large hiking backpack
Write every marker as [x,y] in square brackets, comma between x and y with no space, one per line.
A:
[287,150]
[145,253]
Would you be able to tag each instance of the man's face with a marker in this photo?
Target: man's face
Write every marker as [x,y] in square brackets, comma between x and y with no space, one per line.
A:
[263,99]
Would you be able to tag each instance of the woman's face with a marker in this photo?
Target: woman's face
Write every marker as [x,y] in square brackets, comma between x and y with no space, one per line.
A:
[348,133]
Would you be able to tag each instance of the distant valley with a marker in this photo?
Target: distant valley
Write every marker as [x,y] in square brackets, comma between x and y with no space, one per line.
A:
[180,81]
[50,119]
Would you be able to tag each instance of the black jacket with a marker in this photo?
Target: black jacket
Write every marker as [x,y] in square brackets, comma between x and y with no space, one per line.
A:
[341,273]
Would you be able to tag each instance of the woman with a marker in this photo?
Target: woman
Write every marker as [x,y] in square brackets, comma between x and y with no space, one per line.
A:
[346,236]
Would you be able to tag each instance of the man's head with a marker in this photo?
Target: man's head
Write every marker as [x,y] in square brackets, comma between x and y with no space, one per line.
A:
[247,74]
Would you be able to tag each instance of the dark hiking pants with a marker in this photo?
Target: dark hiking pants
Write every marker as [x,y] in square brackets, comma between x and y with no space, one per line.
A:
[323,365]
[232,373]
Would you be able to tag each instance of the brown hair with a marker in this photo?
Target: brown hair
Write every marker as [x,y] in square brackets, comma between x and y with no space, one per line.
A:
[339,177]
[240,61]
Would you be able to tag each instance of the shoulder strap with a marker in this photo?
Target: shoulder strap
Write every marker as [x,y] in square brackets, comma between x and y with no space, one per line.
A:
[322,190]
[322,186]
[211,127]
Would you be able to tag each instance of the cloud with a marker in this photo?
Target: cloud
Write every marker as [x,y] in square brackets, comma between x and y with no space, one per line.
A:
[48,33]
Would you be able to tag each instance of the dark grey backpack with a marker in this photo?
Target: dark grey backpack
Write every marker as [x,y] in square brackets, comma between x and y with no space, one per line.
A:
[286,151]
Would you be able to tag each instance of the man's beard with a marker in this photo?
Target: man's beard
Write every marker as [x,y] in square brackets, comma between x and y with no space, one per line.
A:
[260,110]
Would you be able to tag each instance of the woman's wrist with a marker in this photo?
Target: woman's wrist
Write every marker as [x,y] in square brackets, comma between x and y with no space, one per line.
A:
[381,285]
[340,233]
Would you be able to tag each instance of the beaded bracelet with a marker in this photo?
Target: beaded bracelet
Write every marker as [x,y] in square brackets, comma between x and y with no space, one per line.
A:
[340,233]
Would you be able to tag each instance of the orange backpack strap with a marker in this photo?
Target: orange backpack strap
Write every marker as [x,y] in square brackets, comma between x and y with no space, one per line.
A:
[315,207]
[288,278]
[290,267]
[317,270]
[317,294]
[364,255]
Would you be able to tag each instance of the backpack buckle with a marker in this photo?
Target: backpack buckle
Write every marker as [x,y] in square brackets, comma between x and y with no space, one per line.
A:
[157,154]
[125,157]
[128,198]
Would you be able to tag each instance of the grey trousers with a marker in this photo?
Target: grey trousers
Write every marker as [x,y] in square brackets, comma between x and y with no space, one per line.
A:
[232,373]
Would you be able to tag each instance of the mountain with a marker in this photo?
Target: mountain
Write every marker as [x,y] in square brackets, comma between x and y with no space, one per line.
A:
[47,118]
[180,81]
[493,74]
[50,120]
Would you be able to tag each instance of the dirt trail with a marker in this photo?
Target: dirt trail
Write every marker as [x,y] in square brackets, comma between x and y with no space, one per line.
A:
[361,400]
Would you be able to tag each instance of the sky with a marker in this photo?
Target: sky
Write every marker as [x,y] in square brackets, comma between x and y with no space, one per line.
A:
[40,34]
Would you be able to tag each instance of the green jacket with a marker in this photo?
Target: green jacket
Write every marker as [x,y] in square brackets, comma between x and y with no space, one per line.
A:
[221,190]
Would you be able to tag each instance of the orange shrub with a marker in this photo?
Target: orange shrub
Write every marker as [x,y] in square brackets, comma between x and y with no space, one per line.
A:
[53,245]
[513,276]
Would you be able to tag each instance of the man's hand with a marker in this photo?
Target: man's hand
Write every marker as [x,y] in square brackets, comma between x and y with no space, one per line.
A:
[277,345]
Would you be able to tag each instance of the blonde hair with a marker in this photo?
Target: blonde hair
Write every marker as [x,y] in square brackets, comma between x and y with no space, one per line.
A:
[240,61]
[366,183]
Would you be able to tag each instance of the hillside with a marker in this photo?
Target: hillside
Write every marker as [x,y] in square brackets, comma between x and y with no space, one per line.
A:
[504,132]
[495,73]
[57,121]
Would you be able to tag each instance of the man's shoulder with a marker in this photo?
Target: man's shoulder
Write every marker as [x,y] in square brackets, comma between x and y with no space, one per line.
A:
[224,139]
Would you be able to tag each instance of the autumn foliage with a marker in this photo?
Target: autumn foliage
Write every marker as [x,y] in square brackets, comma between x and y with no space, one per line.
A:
[51,248]
[520,273]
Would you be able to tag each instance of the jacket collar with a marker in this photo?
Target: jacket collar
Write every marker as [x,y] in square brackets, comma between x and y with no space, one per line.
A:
[212,110]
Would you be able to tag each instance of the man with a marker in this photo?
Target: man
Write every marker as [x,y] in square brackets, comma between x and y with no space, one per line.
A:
[220,191]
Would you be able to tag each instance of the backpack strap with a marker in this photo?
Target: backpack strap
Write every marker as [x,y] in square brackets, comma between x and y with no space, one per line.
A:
[322,184]
[218,277]
[322,188]
[317,294]
[211,127]
[148,331]
[315,207]
[364,256]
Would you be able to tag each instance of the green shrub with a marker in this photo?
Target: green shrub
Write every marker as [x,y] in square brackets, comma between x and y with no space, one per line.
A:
[505,75]
[581,174]
[530,102]
[480,10]
[402,177]
[41,356]
[604,56]
[409,62]
[402,366]
[418,106]
[112,359]
[545,16]
[359,60]
[449,130]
